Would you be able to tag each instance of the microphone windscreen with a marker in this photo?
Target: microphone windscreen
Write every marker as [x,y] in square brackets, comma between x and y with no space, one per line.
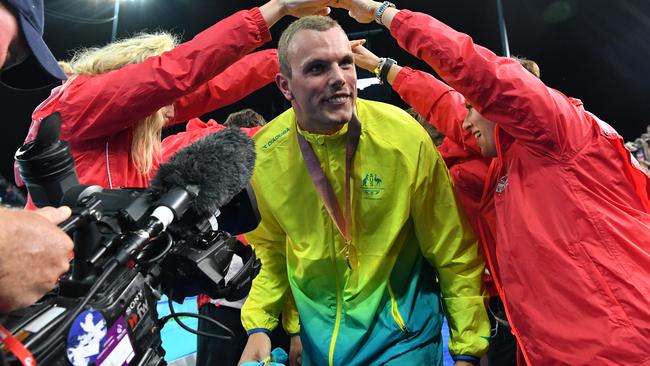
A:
[219,164]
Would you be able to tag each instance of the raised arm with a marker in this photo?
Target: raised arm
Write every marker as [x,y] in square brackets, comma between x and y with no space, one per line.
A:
[108,103]
[105,104]
[498,87]
[240,79]
[442,106]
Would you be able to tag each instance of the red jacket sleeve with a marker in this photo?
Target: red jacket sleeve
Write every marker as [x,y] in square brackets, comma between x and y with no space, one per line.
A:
[498,87]
[443,107]
[194,130]
[240,79]
[103,105]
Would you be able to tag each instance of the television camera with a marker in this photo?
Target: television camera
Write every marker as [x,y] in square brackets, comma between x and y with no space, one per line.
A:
[132,245]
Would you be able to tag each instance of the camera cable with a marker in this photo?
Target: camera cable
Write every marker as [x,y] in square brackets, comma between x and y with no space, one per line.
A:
[175,316]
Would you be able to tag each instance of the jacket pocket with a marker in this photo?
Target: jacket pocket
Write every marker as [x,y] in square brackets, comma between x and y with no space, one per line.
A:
[601,287]
[394,310]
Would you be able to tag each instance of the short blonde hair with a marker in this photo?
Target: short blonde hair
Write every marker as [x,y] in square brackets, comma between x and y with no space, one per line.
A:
[313,22]
[529,65]
[99,60]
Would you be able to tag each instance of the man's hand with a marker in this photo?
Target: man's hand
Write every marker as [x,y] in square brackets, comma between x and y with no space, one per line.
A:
[363,57]
[363,11]
[34,253]
[257,348]
[295,351]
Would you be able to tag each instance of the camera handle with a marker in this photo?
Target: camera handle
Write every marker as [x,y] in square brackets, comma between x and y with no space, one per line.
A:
[82,226]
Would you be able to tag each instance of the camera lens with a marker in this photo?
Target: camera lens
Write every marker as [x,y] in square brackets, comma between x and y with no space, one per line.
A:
[39,164]
[46,164]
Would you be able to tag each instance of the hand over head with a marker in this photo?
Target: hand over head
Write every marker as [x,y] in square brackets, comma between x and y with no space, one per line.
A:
[300,8]
[363,57]
[363,11]
[274,10]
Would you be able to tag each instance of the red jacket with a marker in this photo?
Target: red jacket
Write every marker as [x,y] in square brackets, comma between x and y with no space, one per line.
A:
[194,130]
[445,109]
[569,209]
[98,112]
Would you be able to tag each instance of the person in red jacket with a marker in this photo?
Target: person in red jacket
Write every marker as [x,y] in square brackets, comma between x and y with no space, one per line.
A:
[468,169]
[564,202]
[119,97]
[444,108]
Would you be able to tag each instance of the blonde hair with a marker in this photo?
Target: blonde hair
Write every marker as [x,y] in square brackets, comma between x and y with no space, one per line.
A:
[99,60]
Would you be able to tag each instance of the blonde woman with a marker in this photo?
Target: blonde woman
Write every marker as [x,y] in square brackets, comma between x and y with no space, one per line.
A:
[119,97]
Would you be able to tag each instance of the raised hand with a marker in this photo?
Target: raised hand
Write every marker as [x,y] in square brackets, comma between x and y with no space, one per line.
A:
[274,10]
[363,57]
[363,11]
[300,8]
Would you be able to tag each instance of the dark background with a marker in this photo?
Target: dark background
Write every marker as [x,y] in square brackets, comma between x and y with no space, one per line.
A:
[595,50]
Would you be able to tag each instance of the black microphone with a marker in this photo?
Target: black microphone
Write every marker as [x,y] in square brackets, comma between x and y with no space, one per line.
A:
[202,176]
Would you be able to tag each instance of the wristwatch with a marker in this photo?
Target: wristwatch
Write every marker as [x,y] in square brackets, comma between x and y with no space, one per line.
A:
[381,9]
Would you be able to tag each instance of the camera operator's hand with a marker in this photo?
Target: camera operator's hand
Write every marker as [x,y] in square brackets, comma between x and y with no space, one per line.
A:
[257,348]
[295,351]
[34,253]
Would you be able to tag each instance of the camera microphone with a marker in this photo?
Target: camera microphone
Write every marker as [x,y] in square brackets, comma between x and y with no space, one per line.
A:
[220,164]
[202,176]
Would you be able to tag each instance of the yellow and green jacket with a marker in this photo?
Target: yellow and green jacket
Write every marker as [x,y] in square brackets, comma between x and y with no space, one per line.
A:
[407,231]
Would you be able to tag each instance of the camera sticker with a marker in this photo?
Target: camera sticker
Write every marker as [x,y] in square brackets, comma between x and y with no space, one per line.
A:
[118,348]
[86,338]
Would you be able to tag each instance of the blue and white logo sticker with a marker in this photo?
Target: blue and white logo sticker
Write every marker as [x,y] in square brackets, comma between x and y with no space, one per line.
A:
[86,338]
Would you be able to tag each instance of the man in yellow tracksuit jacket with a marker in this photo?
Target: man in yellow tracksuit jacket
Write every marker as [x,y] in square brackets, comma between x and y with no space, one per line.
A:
[384,308]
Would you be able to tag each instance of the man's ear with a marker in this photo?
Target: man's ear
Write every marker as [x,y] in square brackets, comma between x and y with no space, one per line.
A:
[283,84]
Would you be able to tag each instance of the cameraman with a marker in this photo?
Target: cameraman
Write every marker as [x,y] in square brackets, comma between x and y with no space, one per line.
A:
[34,251]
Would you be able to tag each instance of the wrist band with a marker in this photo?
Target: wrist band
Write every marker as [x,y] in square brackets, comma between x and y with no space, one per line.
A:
[377,70]
[385,68]
[381,9]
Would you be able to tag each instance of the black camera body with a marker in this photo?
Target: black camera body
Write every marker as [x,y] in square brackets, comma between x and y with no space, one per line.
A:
[104,309]
[126,301]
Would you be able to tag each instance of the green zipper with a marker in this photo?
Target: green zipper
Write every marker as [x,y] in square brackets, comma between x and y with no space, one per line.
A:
[394,310]
[339,306]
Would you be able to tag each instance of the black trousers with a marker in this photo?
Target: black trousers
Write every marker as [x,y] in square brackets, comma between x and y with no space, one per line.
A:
[218,352]
[503,344]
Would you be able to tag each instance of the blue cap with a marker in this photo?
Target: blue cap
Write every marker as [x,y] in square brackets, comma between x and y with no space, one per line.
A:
[31,18]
